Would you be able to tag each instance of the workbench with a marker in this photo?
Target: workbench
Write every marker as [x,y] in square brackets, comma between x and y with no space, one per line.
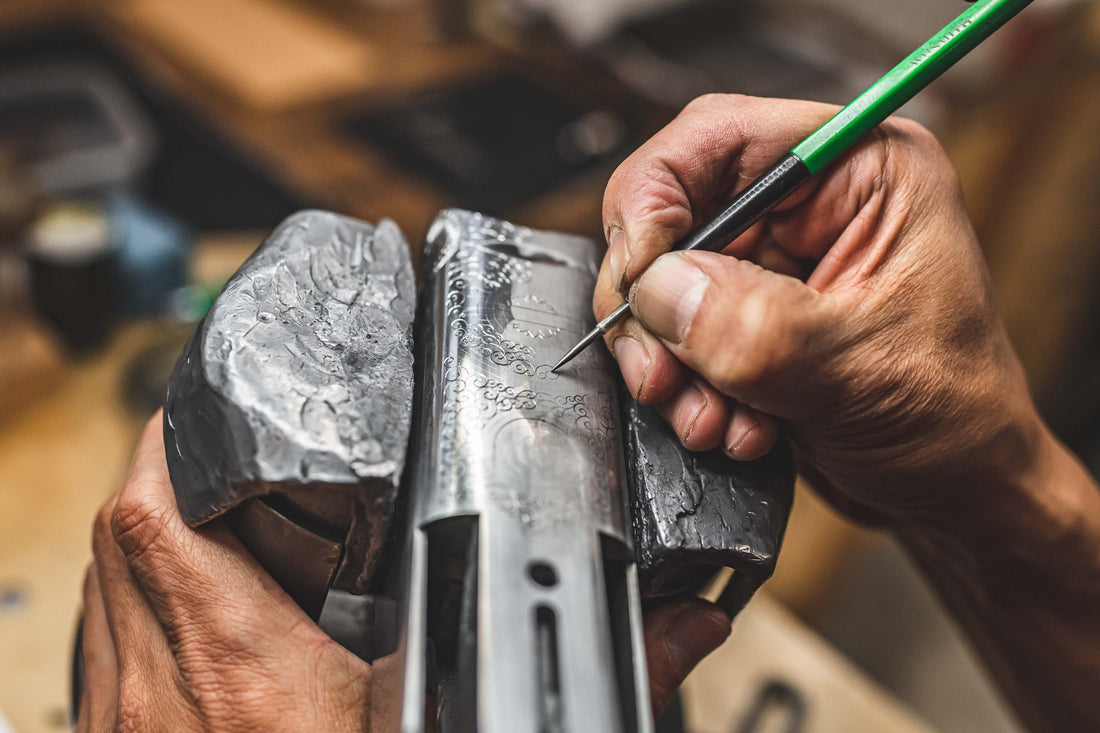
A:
[64,455]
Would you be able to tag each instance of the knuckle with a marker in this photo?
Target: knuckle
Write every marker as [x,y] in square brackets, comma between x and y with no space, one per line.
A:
[712,101]
[921,149]
[761,348]
[911,130]
[133,710]
[138,525]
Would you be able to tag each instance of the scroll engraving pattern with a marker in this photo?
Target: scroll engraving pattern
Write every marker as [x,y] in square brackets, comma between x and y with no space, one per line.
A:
[489,379]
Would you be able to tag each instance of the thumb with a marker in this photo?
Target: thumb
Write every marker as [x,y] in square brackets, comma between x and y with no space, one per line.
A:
[748,331]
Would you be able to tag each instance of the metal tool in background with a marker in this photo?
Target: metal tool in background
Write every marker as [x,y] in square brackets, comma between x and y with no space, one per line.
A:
[835,137]
[774,695]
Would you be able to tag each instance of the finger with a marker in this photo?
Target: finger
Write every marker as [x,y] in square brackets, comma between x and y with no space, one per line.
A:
[100,696]
[689,170]
[770,255]
[202,585]
[750,434]
[678,636]
[749,332]
[650,372]
[699,414]
[139,642]
[652,375]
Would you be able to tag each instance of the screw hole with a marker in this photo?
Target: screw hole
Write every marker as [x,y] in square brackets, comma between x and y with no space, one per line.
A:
[543,574]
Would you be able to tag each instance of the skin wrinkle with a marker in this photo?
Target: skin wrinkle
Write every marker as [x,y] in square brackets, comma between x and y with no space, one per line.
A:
[866,217]
[722,169]
[662,199]
[905,402]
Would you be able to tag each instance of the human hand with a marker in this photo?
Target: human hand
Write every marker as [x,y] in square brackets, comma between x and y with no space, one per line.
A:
[859,311]
[183,630]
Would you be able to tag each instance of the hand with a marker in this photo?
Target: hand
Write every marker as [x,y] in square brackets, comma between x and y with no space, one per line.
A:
[859,311]
[183,630]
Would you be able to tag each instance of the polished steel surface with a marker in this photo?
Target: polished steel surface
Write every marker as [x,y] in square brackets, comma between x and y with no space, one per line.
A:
[519,502]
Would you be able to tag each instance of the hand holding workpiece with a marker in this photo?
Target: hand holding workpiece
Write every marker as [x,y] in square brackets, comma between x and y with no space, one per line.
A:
[860,313]
[183,630]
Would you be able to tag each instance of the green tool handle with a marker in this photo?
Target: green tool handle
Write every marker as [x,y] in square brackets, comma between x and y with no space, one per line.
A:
[899,84]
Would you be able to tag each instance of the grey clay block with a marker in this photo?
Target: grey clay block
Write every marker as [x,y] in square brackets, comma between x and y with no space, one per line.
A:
[298,384]
[696,512]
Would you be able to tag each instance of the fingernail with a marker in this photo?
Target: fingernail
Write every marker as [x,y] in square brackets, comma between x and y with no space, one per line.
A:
[667,295]
[694,633]
[696,401]
[745,420]
[619,256]
[634,361]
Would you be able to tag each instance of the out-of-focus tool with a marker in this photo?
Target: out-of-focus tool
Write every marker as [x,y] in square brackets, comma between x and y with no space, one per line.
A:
[836,136]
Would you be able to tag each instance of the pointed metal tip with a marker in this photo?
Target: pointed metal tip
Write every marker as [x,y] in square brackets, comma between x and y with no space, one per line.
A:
[583,344]
[601,328]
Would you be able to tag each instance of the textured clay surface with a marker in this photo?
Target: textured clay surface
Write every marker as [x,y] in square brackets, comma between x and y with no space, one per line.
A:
[694,512]
[299,381]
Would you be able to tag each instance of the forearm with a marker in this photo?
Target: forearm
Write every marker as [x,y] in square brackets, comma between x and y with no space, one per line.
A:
[1020,571]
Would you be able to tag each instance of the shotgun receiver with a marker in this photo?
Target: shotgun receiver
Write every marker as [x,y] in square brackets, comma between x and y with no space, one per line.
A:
[485,531]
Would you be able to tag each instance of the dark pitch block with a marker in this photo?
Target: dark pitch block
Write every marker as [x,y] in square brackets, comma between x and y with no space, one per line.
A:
[696,512]
[289,409]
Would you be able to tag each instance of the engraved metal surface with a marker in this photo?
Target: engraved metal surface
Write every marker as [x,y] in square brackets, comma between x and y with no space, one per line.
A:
[519,502]
[297,388]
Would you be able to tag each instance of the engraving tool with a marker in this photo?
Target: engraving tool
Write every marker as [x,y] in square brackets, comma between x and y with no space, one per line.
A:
[836,136]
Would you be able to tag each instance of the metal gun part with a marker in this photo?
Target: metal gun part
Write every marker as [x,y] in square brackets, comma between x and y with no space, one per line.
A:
[507,595]
[289,410]
[522,583]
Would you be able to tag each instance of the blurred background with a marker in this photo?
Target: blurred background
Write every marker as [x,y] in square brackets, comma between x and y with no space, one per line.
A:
[147,146]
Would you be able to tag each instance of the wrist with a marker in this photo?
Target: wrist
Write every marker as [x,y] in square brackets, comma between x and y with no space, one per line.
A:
[1033,520]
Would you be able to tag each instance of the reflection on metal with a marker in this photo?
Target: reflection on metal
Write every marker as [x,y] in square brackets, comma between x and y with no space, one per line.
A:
[521,562]
[510,598]
[296,392]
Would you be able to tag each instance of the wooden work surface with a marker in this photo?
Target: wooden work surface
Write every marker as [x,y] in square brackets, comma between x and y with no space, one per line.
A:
[58,461]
